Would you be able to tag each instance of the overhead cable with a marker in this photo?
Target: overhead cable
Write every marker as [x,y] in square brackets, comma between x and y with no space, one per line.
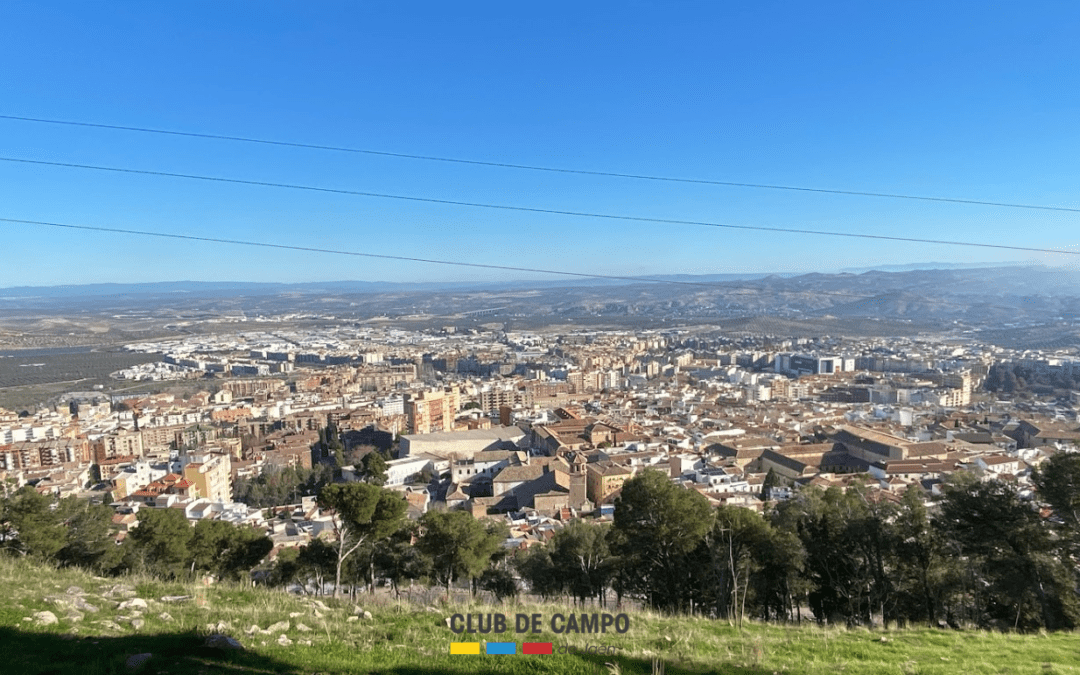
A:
[549,169]
[529,209]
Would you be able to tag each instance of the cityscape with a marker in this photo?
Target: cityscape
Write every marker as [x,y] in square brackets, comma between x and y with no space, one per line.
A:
[627,338]
[474,408]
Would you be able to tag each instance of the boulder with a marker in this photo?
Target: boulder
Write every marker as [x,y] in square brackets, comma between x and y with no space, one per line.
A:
[120,591]
[45,618]
[278,627]
[137,624]
[284,640]
[223,642]
[134,603]
[165,616]
[84,606]
[75,590]
[302,628]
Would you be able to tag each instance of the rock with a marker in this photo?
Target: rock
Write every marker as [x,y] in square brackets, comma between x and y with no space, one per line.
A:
[165,616]
[252,629]
[224,642]
[284,640]
[109,625]
[302,628]
[120,591]
[135,662]
[447,621]
[75,590]
[318,614]
[357,609]
[353,618]
[137,624]
[84,606]
[278,627]
[134,603]
[175,598]
[367,614]
[319,604]
[432,609]
[74,617]
[62,600]
[883,639]
[293,615]
[306,643]
[45,618]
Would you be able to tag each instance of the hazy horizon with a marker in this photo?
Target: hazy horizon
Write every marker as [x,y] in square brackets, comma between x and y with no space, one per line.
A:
[552,280]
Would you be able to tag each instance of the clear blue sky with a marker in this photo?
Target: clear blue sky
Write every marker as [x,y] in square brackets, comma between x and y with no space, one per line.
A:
[977,100]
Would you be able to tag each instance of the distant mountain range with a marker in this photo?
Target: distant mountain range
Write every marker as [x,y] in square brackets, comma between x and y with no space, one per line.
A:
[1033,306]
[208,289]
[234,288]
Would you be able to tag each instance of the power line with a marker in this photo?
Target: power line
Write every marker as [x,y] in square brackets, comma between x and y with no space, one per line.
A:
[310,249]
[549,169]
[856,297]
[528,209]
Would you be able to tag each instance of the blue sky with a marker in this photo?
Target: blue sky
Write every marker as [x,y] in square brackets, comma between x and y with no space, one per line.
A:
[976,100]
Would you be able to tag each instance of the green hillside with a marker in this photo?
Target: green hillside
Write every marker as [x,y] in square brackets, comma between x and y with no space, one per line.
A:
[101,623]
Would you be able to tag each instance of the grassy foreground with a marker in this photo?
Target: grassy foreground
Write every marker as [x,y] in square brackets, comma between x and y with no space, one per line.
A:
[406,640]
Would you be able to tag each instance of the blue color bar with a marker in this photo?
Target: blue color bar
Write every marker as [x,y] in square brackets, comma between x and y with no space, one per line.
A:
[502,648]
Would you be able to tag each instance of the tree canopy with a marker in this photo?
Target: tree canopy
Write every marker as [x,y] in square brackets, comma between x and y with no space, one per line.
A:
[361,513]
[657,524]
[458,545]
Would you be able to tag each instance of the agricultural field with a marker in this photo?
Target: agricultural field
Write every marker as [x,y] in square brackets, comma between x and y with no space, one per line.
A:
[32,376]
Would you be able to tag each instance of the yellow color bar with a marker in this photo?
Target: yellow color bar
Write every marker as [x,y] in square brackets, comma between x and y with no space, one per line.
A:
[464,647]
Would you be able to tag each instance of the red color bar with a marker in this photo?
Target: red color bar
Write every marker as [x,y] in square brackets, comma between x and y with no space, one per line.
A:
[536,648]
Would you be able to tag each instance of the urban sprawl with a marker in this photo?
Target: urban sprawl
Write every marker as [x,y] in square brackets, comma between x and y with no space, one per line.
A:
[540,429]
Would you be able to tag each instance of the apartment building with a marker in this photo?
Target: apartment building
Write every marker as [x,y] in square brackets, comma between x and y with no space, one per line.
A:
[211,473]
[432,410]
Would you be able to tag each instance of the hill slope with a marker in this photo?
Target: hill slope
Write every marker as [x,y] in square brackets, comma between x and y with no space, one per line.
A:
[101,623]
